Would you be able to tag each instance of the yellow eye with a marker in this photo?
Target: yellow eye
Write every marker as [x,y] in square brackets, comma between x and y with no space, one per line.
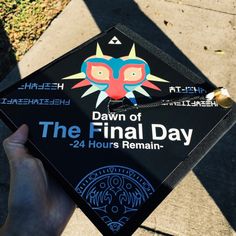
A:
[100,72]
[133,74]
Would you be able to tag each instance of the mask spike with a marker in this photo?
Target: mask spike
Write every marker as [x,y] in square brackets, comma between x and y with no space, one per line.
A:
[80,75]
[99,52]
[142,91]
[157,79]
[132,53]
[101,97]
[131,97]
[91,90]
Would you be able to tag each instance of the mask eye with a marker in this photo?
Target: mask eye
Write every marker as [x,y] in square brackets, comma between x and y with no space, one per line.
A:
[133,74]
[100,72]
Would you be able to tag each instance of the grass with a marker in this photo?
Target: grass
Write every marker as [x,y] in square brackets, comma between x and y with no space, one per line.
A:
[21,24]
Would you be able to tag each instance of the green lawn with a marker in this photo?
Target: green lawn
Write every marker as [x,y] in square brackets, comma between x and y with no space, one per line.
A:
[21,24]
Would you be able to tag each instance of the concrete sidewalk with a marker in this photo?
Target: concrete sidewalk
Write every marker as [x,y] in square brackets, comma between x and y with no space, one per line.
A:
[204,203]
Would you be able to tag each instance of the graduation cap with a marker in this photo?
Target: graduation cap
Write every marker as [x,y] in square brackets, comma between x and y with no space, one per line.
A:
[119,123]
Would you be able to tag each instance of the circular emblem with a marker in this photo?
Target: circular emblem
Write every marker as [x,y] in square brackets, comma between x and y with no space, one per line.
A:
[115,193]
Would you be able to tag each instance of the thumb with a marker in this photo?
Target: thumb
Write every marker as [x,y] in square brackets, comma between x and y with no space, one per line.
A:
[14,144]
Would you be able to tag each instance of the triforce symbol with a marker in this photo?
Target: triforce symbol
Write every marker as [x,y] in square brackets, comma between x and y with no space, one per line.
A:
[114,40]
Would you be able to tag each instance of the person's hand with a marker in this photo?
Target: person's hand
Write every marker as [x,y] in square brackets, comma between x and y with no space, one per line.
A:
[36,205]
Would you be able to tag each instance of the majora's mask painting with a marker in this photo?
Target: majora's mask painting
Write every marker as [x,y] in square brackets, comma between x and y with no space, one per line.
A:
[115,77]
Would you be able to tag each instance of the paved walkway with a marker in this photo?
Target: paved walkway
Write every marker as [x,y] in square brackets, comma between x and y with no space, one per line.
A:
[200,34]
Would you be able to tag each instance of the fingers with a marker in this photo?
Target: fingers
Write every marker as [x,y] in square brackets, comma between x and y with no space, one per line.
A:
[14,144]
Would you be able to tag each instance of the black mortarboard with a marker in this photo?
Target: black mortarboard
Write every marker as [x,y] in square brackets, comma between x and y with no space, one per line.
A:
[119,123]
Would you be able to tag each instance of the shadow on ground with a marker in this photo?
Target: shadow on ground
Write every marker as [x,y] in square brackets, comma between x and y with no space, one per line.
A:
[7,62]
[107,13]
[7,56]
[217,171]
